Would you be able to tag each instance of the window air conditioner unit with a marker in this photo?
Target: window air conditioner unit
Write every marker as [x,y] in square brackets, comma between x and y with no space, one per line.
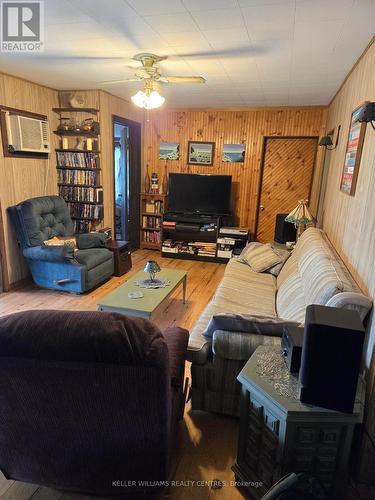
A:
[29,135]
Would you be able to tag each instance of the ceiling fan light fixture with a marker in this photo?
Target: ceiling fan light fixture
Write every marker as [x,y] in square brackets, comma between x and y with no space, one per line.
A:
[148,99]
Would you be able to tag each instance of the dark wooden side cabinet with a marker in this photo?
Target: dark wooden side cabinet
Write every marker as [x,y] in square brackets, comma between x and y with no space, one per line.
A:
[279,434]
[122,256]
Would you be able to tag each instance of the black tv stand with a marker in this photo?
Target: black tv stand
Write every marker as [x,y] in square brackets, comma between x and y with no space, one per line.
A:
[194,216]
[193,235]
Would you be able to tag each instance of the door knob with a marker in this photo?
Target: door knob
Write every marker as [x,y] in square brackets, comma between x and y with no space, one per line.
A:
[261,207]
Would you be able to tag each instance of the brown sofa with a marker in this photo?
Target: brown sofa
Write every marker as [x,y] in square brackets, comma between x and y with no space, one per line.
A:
[89,401]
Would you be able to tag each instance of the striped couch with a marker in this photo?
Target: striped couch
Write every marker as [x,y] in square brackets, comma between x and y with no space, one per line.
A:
[314,274]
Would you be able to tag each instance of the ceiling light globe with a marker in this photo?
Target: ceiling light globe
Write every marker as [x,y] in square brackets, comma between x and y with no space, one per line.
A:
[139,99]
[154,100]
[149,100]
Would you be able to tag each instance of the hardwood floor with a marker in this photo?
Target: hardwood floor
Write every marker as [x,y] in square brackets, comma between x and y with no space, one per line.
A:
[207,443]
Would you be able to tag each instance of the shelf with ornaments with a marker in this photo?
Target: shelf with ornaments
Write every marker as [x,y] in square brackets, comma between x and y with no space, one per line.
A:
[153,204]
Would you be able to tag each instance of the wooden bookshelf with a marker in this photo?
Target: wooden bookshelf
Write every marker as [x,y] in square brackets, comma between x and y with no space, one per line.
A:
[79,184]
[79,172]
[153,206]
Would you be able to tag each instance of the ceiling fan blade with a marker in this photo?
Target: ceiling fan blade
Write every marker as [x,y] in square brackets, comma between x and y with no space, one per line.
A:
[181,79]
[125,80]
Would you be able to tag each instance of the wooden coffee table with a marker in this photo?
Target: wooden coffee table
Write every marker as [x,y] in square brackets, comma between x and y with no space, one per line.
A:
[118,300]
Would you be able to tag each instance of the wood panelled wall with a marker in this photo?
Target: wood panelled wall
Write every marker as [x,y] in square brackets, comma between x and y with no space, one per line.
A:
[248,126]
[22,178]
[350,220]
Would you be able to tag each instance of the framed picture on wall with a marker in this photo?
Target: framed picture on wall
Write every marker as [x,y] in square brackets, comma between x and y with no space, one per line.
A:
[233,153]
[169,151]
[353,153]
[201,153]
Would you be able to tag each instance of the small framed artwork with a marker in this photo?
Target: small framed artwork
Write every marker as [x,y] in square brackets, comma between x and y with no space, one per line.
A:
[169,151]
[233,153]
[353,153]
[201,153]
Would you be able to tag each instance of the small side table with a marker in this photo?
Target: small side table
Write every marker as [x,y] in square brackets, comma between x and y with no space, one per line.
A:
[122,256]
[279,434]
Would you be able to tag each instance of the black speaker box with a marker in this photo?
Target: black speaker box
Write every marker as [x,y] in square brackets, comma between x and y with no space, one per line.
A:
[331,357]
[284,231]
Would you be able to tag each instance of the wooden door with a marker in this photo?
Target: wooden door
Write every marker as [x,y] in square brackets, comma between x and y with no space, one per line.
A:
[287,170]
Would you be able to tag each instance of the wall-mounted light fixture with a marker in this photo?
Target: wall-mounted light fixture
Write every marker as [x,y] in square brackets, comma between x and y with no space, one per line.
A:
[326,141]
[367,114]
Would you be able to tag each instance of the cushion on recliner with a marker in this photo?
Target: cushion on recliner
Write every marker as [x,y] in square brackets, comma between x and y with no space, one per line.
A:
[43,218]
[91,240]
[92,257]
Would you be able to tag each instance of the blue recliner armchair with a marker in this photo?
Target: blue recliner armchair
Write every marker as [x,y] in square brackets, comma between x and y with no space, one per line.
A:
[59,267]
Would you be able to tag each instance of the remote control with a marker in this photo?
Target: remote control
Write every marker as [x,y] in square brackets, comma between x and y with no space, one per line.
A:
[135,295]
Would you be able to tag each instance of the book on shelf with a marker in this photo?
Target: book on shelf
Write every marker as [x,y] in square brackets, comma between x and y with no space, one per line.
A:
[151,222]
[77,177]
[151,237]
[86,211]
[154,206]
[203,248]
[200,248]
[81,194]
[83,226]
[169,249]
[71,159]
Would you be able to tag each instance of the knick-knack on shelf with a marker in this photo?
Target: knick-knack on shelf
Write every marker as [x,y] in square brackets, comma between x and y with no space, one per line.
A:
[164,182]
[154,183]
[147,181]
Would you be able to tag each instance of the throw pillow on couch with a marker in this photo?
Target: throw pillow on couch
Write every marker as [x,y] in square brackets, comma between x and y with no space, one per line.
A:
[264,258]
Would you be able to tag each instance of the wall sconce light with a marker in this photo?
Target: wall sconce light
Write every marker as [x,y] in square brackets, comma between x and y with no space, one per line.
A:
[326,141]
[367,114]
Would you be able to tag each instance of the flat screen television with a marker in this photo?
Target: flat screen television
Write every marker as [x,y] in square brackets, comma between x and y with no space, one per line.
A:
[200,194]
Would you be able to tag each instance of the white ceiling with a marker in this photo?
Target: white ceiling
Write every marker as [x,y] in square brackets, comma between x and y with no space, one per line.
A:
[251,52]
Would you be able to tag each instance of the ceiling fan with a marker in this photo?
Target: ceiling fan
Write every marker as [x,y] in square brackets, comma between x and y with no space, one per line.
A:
[148,71]
[149,97]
